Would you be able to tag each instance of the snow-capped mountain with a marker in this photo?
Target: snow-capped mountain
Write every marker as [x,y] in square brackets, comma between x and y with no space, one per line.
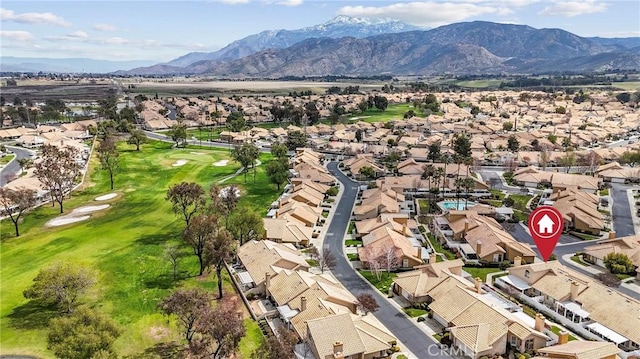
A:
[338,27]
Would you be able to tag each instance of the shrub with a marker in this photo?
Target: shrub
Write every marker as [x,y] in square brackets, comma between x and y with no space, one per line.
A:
[333,191]
[504,265]
[421,319]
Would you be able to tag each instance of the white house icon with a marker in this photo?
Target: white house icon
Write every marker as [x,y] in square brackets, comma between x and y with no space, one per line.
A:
[545,225]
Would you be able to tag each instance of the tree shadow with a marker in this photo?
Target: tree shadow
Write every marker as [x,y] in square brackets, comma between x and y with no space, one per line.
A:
[156,238]
[165,280]
[31,315]
[171,350]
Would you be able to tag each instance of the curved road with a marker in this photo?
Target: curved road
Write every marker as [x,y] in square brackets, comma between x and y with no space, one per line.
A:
[394,319]
[13,168]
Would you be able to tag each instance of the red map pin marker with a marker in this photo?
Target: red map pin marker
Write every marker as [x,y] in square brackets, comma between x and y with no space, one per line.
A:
[546,225]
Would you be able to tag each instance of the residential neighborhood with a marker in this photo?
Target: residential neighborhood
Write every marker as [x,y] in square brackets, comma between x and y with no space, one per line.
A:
[427,213]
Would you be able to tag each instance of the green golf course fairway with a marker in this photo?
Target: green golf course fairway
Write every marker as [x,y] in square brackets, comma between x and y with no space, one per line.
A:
[123,244]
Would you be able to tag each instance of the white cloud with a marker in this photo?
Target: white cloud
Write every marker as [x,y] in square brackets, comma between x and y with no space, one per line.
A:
[573,8]
[290,2]
[104,27]
[78,34]
[426,13]
[115,41]
[16,35]
[233,2]
[33,18]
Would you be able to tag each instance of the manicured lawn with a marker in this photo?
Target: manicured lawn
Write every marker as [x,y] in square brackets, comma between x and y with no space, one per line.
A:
[6,158]
[252,339]
[352,226]
[383,284]
[604,192]
[557,331]
[578,260]
[413,312]
[424,205]
[520,201]
[497,193]
[123,244]
[393,112]
[520,216]
[352,242]
[481,272]
[438,247]
[353,256]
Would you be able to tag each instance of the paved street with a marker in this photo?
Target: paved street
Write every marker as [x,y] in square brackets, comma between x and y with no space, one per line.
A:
[416,340]
[621,211]
[13,168]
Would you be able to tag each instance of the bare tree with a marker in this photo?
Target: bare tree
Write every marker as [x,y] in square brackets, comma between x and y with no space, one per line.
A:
[109,156]
[189,305]
[280,345]
[375,266]
[172,253]
[367,303]
[58,171]
[326,260]
[218,250]
[201,230]
[389,259]
[186,199]
[220,329]
[14,203]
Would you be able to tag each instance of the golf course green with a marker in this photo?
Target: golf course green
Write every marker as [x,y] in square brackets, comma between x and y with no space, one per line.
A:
[124,245]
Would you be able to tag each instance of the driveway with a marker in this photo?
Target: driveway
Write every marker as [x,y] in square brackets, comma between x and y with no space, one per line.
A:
[394,319]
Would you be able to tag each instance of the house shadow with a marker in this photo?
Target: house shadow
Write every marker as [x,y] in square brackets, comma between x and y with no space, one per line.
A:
[31,315]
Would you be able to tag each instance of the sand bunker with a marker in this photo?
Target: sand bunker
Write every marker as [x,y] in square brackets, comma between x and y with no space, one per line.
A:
[106,197]
[179,163]
[221,163]
[196,153]
[88,209]
[61,221]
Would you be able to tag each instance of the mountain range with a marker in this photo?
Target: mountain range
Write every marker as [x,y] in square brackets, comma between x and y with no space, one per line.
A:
[462,48]
[338,27]
[366,46]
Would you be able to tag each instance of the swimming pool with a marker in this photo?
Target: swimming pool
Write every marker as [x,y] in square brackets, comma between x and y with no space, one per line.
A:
[454,205]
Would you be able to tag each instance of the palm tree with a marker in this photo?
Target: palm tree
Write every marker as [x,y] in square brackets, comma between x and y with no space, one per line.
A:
[468,183]
[459,182]
[429,174]
[439,176]
[444,173]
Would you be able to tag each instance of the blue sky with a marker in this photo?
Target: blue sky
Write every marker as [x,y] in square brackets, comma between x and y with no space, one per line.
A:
[162,30]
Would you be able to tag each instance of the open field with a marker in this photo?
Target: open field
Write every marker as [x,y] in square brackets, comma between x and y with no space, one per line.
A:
[395,111]
[628,86]
[123,244]
[479,83]
[184,87]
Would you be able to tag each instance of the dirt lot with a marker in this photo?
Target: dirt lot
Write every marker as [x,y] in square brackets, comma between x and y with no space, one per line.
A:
[179,87]
[62,91]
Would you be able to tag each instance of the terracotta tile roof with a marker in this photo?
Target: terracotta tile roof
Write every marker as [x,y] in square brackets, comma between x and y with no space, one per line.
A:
[578,349]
